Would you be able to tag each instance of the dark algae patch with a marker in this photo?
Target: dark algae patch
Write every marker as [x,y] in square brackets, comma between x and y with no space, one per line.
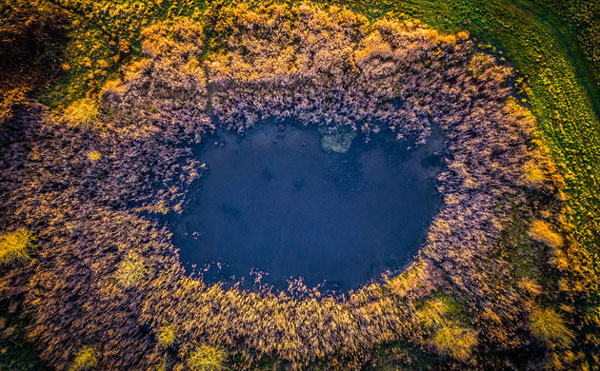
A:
[275,206]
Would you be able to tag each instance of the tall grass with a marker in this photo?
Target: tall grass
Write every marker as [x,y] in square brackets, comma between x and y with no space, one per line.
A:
[205,358]
[549,326]
[16,246]
[86,359]
[542,232]
[81,113]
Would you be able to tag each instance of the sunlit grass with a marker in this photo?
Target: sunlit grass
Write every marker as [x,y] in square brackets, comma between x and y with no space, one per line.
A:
[166,337]
[451,334]
[433,313]
[205,358]
[86,359]
[81,113]
[94,156]
[16,246]
[549,326]
[456,341]
[542,232]
[131,271]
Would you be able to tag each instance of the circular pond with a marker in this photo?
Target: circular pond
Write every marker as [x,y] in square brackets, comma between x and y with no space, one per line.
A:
[282,203]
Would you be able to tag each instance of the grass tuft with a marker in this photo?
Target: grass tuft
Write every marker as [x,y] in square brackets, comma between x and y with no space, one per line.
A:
[433,313]
[86,359]
[542,232]
[131,271]
[94,156]
[81,113]
[534,174]
[16,246]
[548,325]
[166,337]
[452,337]
[205,358]
[455,341]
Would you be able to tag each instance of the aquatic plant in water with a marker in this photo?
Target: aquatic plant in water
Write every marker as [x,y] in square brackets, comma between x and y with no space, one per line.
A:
[336,139]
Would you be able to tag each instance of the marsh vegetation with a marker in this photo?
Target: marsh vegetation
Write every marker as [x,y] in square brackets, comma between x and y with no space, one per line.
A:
[506,275]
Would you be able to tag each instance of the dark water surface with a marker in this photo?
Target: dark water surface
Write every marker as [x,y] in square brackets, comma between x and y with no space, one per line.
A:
[274,201]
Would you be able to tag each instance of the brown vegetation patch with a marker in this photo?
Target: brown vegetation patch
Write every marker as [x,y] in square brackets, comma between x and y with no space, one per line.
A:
[109,278]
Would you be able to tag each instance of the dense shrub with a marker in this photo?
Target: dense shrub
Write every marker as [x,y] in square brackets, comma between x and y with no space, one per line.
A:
[455,341]
[94,156]
[451,335]
[166,336]
[542,232]
[131,271]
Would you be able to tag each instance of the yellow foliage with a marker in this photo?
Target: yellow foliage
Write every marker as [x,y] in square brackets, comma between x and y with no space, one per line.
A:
[542,232]
[560,260]
[113,85]
[166,336]
[548,325]
[463,35]
[477,63]
[455,341]
[373,46]
[205,358]
[94,156]
[131,271]
[81,113]
[15,246]
[433,313]
[411,281]
[450,337]
[531,286]
[533,173]
[86,359]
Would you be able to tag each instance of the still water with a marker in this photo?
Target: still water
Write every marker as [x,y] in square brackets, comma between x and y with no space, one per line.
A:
[275,206]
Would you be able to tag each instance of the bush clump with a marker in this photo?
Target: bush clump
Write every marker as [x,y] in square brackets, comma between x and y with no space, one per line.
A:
[433,313]
[94,156]
[455,341]
[86,359]
[451,335]
[542,232]
[166,337]
[81,113]
[549,326]
[131,271]
[205,358]
[15,246]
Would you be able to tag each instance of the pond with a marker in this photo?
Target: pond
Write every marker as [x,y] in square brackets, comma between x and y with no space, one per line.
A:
[275,206]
